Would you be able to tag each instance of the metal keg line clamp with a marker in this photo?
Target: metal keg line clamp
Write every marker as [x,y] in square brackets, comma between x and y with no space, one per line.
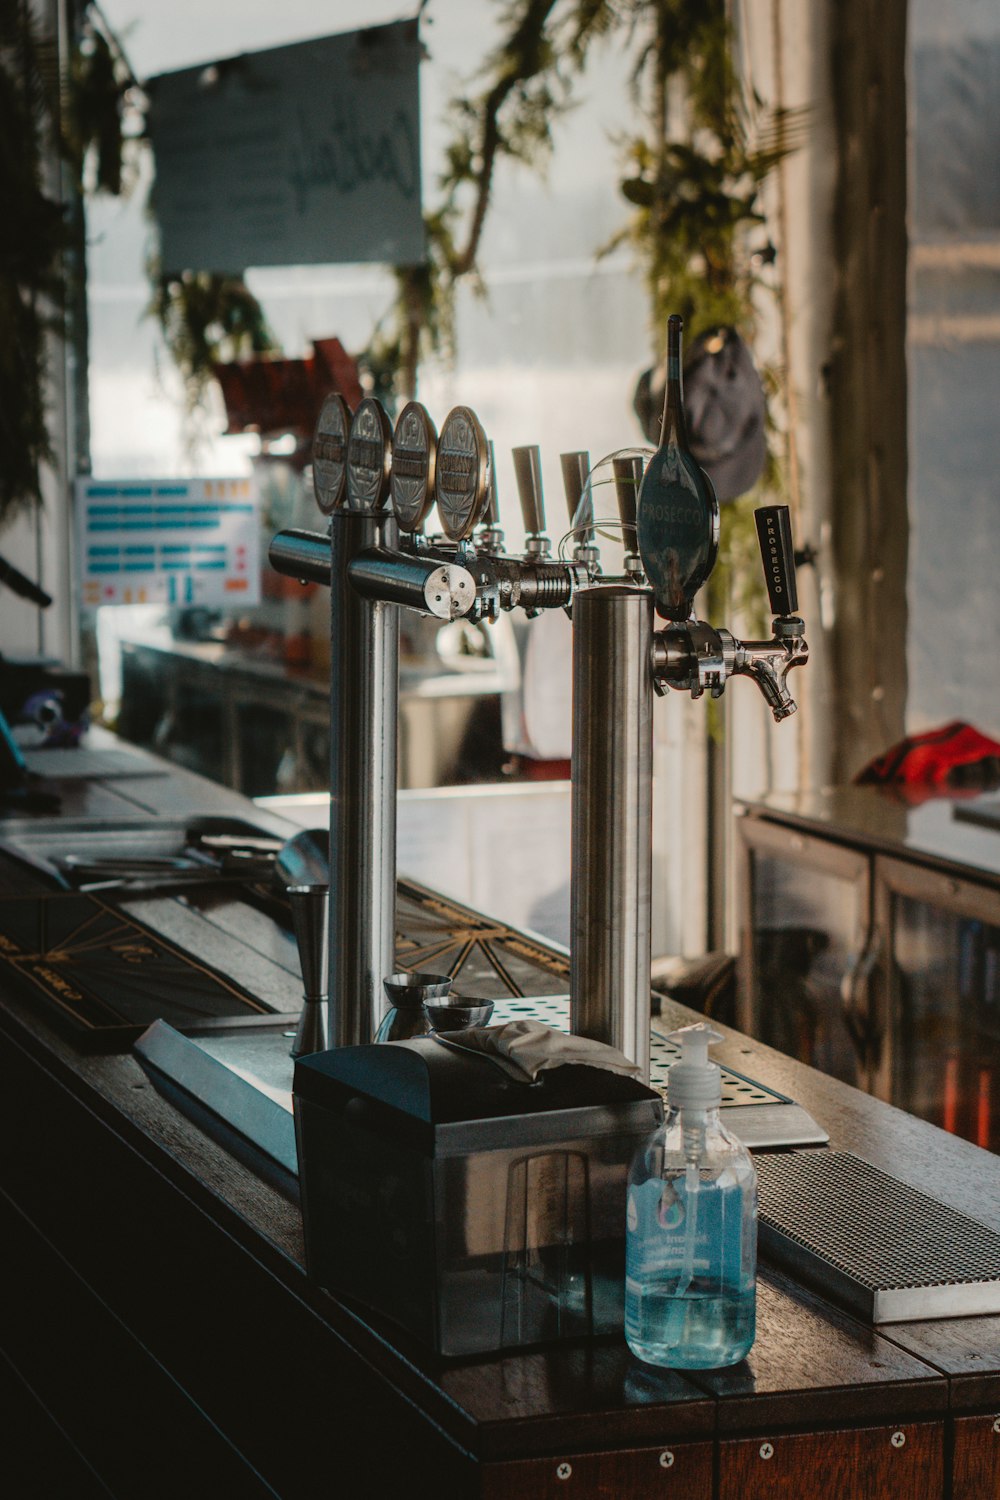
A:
[377,484]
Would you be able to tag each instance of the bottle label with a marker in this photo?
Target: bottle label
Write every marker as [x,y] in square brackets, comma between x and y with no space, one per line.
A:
[671,1232]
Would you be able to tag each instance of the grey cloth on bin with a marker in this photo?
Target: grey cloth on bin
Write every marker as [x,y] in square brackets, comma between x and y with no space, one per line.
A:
[526,1048]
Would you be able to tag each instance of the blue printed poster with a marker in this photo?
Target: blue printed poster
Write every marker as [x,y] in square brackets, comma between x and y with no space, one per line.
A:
[168,541]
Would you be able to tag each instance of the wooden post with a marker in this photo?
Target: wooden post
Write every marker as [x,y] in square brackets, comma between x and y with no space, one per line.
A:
[868,383]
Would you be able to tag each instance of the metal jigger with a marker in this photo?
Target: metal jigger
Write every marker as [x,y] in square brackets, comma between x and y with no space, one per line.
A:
[310,918]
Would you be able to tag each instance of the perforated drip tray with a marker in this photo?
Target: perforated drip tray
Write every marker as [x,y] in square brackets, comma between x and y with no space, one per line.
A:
[758,1115]
[878,1246]
[245,1081]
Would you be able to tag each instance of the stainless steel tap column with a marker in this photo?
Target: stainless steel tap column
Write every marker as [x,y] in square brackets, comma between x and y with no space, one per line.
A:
[364,670]
[612,818]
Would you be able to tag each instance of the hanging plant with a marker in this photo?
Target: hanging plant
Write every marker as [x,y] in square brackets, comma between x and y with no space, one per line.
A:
[103,119]
[525,87]
[33,236]
[207,318]
[693,193]
[42,250]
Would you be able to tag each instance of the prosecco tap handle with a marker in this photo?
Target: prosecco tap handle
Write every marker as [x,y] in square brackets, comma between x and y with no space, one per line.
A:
[528,474]
[774,532]
[575,468]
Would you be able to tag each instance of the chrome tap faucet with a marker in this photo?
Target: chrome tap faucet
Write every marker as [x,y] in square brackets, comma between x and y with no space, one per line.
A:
[699,658]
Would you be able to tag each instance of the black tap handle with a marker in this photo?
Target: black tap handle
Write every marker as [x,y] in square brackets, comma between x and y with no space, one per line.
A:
[575,469]
[528,473]
[628,477]
[774,532]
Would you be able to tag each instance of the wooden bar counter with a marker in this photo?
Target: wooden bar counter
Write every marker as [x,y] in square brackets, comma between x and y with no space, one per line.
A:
[159,1337]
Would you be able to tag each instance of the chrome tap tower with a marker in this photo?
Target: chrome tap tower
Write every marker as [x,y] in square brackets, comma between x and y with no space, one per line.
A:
[377,484]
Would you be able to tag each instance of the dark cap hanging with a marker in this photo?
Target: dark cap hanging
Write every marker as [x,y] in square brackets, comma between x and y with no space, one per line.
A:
[724,403]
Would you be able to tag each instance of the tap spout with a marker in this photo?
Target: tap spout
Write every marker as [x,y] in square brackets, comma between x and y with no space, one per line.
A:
[696,657]
[769,663]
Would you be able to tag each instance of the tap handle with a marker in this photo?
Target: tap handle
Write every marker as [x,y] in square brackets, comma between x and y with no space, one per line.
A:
[774,532]
[628,477]
[575,468]
[492,513]
[528,473]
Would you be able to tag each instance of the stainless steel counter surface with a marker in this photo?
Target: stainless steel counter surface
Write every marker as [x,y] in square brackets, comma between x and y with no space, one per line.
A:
[956,833]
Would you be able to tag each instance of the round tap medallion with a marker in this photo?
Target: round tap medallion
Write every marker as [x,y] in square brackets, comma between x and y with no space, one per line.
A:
[368,457]
[414,460]
[329,461]
[463,472]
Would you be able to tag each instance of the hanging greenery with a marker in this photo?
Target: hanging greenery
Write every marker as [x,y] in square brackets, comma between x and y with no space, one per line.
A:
[94,117]
[102,119]
[33,236]
[207,318]
[691,173]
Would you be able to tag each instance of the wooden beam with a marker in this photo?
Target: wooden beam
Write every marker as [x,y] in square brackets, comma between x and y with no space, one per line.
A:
[868,383]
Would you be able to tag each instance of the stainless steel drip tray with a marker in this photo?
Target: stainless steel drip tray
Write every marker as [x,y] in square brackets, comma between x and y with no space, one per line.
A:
[874,1244]
[238,1081]
[241,1081]
[760,1116]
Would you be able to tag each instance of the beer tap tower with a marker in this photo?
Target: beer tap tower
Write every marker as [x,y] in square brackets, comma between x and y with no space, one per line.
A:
[377,485]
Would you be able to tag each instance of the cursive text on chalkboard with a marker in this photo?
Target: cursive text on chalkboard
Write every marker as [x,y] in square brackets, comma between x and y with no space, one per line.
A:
[346,157]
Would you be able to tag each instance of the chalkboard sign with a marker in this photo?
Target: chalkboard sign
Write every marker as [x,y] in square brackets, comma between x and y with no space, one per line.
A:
[307,154]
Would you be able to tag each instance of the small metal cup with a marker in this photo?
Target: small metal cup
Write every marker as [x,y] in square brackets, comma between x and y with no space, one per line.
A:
[408,993]
[458,1013]
[415,987]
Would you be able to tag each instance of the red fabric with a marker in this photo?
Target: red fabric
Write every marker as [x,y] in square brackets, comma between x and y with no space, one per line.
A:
[952,761]
[270,395]
[527,768]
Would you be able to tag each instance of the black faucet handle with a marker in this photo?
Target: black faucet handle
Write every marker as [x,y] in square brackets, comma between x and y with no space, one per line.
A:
[575,471]
[528,474]
[777,550]
[628,477]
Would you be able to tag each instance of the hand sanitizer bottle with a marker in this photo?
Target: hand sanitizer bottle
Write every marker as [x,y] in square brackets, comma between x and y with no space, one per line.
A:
[691,1229]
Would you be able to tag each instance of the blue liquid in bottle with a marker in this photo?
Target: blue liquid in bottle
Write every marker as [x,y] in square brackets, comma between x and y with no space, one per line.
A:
[692,1310]
[691,1241]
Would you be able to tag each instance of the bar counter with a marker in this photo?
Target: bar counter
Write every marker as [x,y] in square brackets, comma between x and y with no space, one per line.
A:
[160,1337]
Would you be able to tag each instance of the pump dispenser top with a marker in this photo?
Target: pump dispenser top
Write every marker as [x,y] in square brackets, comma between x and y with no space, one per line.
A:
[694,1081]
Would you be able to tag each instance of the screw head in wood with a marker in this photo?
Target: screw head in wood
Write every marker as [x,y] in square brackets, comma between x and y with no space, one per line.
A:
[767,1450]
[563,1471]
[666,1459]
[898,1439]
